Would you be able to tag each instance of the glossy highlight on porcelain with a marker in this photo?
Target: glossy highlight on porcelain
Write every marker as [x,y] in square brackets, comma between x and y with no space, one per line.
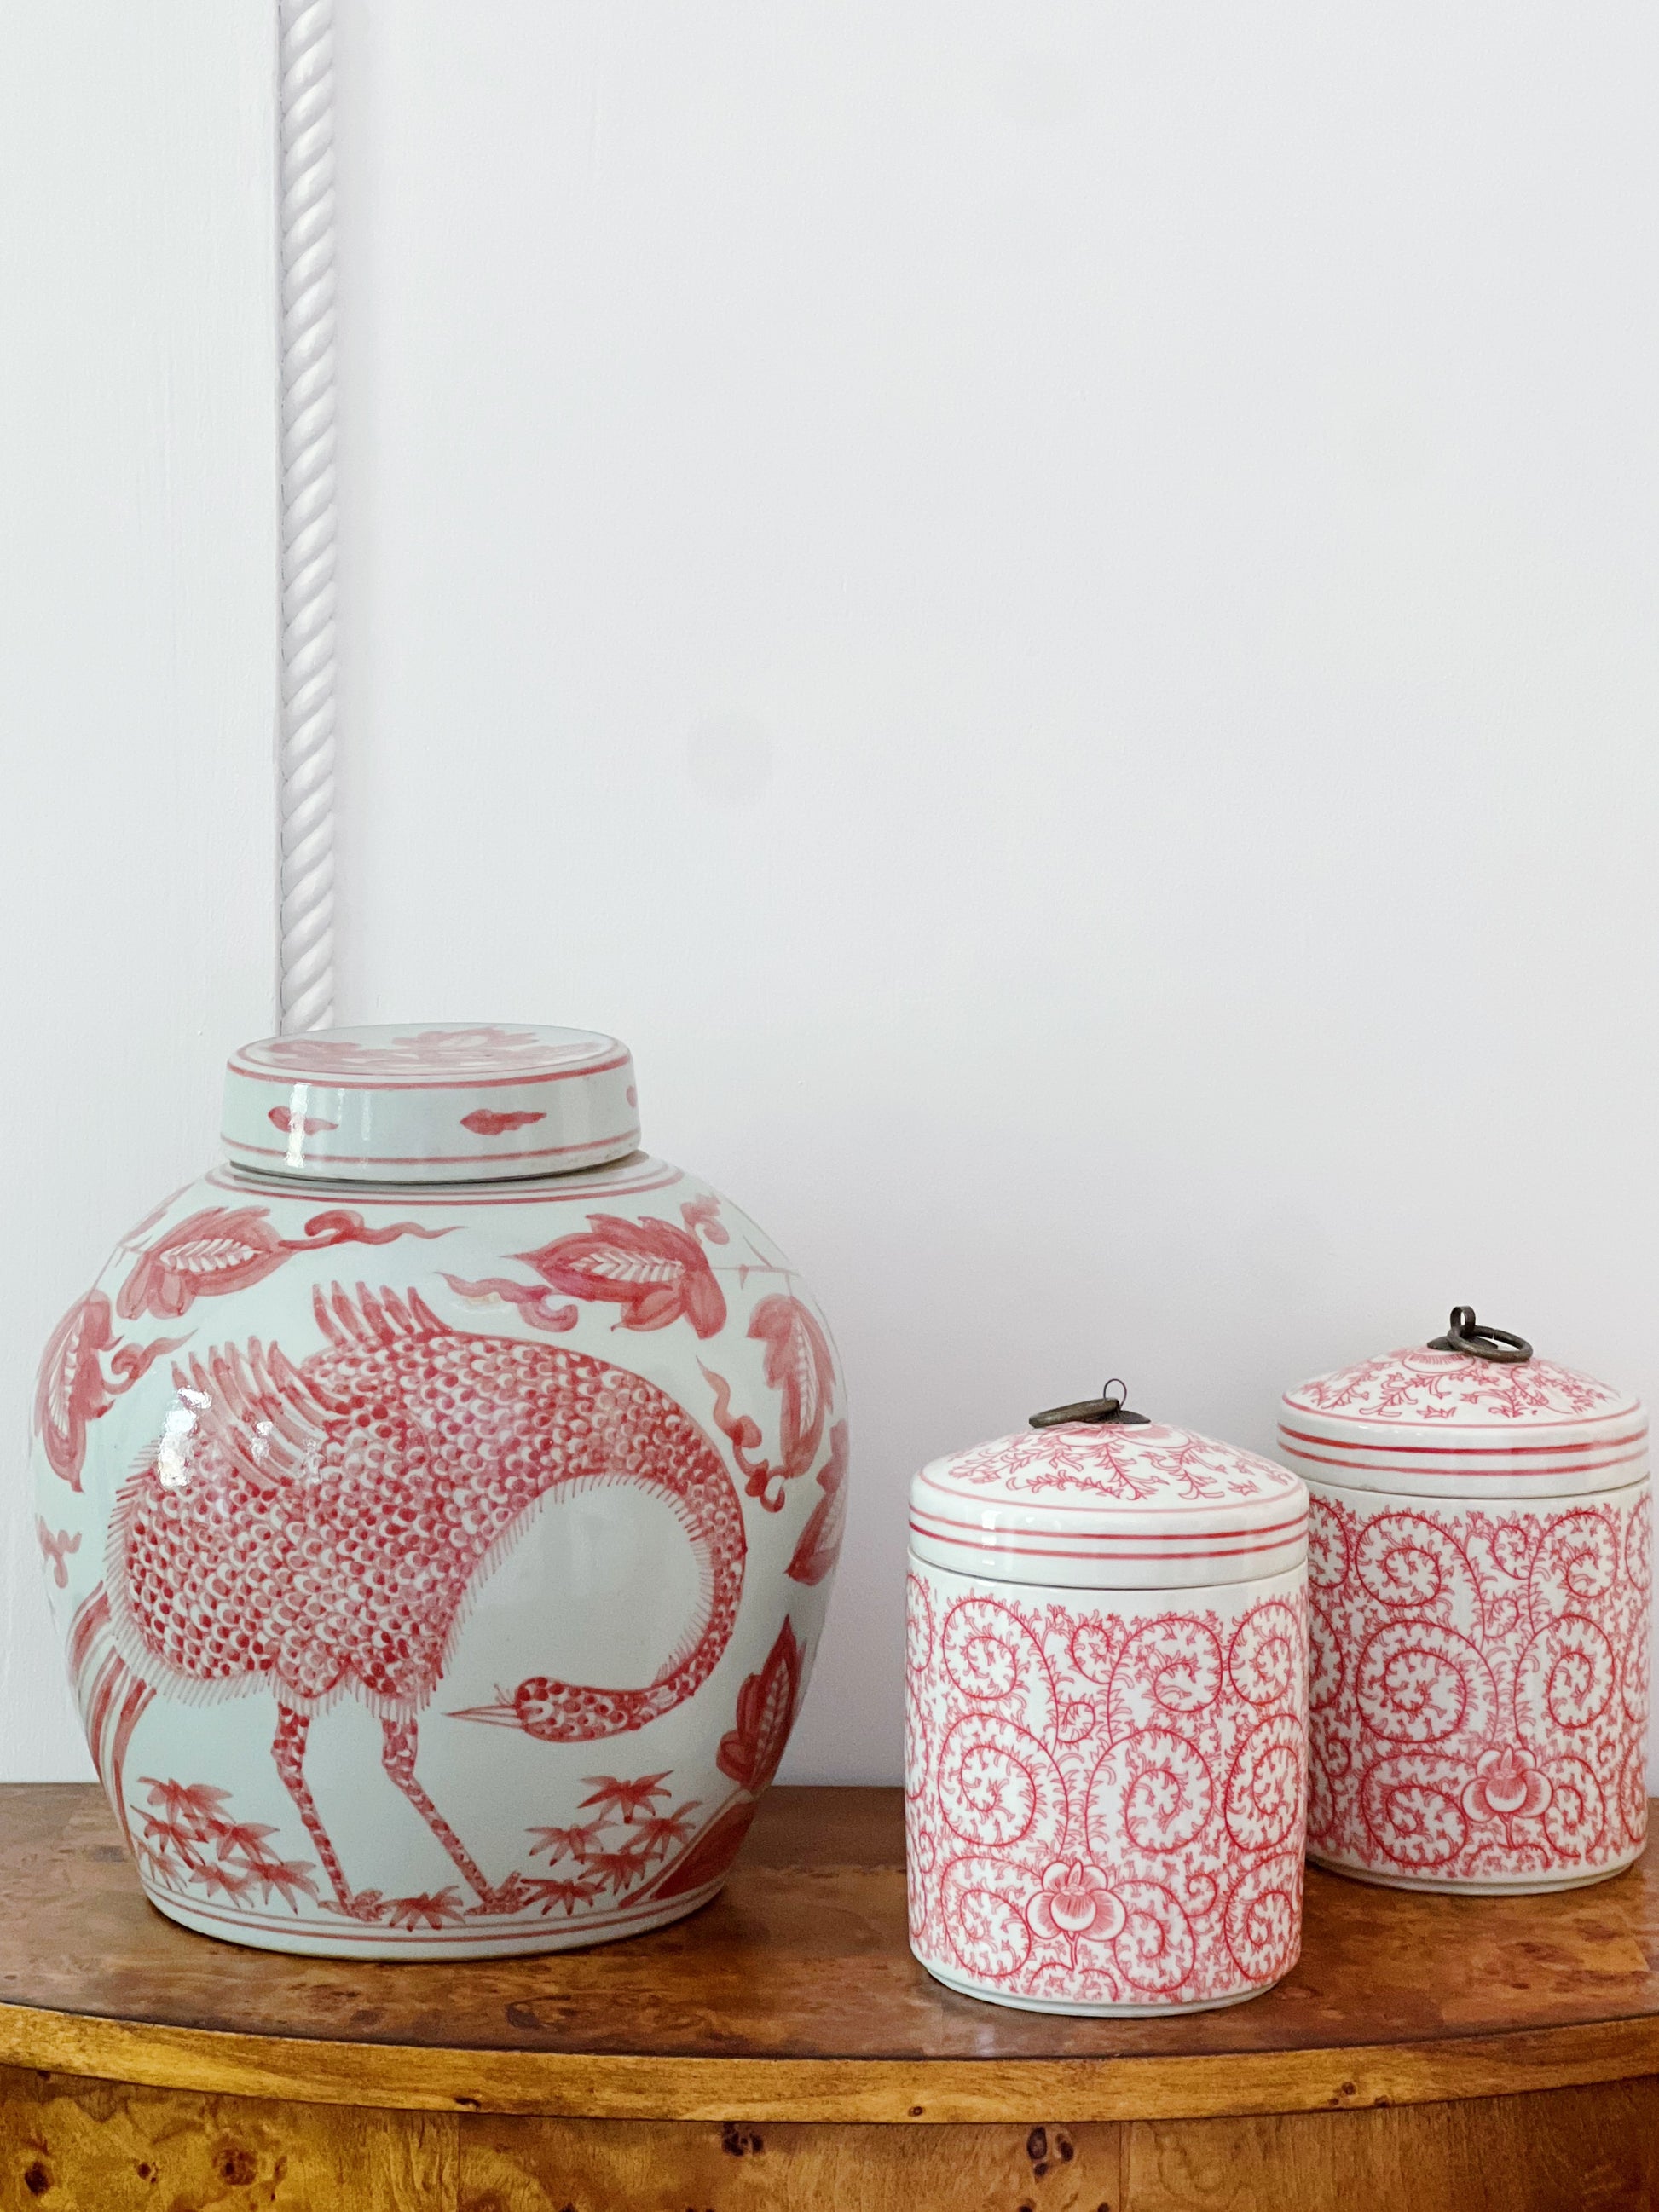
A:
[380,1516]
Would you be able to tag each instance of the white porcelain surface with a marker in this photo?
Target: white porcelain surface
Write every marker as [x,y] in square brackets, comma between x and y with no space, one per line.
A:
[441,1568]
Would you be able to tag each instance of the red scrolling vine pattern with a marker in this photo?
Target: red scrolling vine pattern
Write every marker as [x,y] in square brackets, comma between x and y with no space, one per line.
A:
[1105,1809]
[1479,1688]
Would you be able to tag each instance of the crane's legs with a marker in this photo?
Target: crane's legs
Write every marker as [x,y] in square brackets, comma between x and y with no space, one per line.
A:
[289,1752]
[397,1757]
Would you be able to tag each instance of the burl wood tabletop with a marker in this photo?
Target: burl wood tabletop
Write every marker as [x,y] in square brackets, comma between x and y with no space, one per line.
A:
[794,1995]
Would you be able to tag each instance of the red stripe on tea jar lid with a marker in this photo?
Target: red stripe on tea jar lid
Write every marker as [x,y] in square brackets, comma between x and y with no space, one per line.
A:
[429,1102]
[1110,1502]
[1475,1412]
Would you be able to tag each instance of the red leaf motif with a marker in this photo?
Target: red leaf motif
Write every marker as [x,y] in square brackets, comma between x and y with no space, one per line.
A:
[442,1911]
[613,1795]
[225,1248]
[654,1271]
[72,1389]
[222,1248]
[820,1539]
[749,1752]
[712,1855]
[484,1122]
[282,1119]
[799,1363]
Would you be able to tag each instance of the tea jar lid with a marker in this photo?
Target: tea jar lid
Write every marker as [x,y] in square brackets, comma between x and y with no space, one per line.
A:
[1475,1412]
[1093,1497]
[419,1103]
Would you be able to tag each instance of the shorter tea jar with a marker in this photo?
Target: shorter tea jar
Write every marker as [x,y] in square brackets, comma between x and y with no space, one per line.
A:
[1106,1736]
[1479,1574]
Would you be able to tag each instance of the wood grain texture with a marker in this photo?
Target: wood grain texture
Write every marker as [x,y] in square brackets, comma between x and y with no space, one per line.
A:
[793,1997]
[69,2144]
[566,2166]
[1563,2150]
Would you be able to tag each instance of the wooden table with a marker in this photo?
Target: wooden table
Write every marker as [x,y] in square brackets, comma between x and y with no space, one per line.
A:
[782,2050]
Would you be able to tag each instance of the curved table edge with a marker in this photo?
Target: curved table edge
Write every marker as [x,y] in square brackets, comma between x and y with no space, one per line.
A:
[913,2090]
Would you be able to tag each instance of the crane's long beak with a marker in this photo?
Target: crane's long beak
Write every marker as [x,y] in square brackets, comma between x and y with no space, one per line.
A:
[505,1715]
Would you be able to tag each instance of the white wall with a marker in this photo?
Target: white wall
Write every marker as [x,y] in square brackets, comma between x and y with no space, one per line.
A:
[1049,609]
[137,644]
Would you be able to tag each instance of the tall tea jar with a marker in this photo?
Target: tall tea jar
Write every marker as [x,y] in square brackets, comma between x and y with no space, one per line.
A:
[1106,1726]
[439,1499]
[1478,1577]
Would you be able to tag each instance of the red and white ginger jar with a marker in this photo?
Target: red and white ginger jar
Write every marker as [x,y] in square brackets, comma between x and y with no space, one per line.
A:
[1478,1575]
[1106,1719]
[438,1501]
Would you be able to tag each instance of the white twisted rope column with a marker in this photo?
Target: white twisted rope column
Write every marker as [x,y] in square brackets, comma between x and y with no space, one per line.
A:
[305,739]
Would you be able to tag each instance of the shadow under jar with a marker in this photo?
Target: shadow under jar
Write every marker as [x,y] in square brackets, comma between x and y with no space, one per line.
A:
[1478,1580]
[1106,1718]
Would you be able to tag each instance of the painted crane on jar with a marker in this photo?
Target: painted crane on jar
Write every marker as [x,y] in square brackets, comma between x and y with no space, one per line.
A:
[319,1529]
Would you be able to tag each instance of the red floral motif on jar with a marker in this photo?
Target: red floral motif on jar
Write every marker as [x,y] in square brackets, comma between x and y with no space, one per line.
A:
[1506,1785]
[1101,1808]
[1074,1904]
[1478,1688]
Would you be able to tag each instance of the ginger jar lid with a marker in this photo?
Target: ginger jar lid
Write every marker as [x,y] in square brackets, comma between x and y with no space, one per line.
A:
[418,1102]
[1474,1413]
[1093,1497]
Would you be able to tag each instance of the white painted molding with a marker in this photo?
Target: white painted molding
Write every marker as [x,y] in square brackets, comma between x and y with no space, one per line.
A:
[306,735]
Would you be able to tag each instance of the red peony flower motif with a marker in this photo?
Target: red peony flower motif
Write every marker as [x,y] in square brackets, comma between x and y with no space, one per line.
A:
[1074,1905]
[1506,1787]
